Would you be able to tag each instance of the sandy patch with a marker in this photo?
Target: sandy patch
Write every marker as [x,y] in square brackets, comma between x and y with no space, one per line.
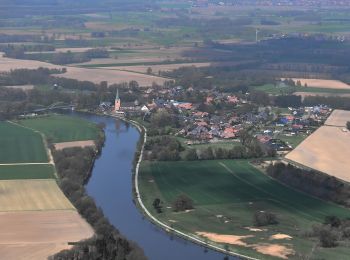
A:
[274,250]
[23,87]
[227,239]
[39,234]
[323,83]
[255,229]
[17,195]
[280,236]
[61,146]
[338,118]
[326,150]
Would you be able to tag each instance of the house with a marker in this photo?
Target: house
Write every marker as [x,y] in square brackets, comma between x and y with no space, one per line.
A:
[145,109]
[228,133]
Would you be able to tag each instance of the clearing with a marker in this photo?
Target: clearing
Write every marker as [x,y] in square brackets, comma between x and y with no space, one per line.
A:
[58,128]
[19,195]
[21,145]
[226,195]
[39,234]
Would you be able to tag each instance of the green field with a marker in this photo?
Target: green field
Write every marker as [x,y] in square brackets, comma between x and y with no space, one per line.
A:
[235,190]
[20,145]
[58,128]
[281,89]
[14,172]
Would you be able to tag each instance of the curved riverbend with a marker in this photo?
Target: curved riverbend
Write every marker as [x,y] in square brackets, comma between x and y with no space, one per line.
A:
[111,187]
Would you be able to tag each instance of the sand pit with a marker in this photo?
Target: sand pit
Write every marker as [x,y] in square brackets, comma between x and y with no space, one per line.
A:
[274,250]
[326,150]
[338,118]
[255,229]
[227,239]
[323,83]
[280,236]
[39,234]
[18,195]
[61,146]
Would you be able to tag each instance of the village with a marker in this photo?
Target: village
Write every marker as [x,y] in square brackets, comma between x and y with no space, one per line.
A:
[220,118]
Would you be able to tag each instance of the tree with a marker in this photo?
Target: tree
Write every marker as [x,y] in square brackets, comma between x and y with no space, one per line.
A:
[149,70]
[263,218]
[157,205]
[348,125]
[182,203]
[191,155]
[328,237]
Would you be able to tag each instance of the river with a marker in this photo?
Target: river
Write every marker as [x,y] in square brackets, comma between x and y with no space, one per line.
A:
[111,187]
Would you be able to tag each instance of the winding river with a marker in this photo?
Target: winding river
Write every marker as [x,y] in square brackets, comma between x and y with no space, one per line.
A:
[111,187]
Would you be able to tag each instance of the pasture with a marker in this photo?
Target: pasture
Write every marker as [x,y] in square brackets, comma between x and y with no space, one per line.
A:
[20,145]
[59,128]
[21,195]
[38,171]
[226,195]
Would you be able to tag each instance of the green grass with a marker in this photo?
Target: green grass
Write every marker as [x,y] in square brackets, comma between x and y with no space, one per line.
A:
[236,191]
[15,172]
[20,145]
[58,128]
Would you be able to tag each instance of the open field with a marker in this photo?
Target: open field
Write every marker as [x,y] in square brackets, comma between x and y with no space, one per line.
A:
[226,195]
[338,118]
[157,68]
[37,234]
[20,145]
[21,195]
[326,150]
[58,128]
[23,87]
[323,94]
[14,172]
[323,83]
[61,146]
[84,74]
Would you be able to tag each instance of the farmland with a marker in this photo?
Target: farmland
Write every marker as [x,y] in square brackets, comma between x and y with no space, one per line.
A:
[58,128]
[226,194]
[20,145]
[25,171]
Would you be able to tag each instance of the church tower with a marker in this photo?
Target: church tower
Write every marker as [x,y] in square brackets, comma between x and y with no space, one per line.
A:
[117,102]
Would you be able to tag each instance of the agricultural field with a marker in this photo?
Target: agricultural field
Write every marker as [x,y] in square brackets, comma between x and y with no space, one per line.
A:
[19,195]
[323,83]
[59,128]
[25,171]
[226,195]
[338,118]
[39,234]
[20,145]
[326,150]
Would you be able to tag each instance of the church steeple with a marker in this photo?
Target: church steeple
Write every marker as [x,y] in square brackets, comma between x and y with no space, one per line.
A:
[117,102]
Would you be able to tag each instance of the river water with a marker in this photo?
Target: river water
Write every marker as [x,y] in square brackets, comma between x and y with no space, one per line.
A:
[111,187]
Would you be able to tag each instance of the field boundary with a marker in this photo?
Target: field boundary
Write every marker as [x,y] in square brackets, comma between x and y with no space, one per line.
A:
[157,222]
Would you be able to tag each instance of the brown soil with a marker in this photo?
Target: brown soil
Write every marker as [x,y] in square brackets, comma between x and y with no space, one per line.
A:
[338,118]
[227,239]
[280,236]
[323,83]
[60,146]
[274,250]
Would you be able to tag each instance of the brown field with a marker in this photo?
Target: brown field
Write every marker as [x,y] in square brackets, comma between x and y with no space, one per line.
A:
[157,68]
[338,118]
[94,75]
[39,234]
[60,146]
[323,83]
[326,150]
[19,195]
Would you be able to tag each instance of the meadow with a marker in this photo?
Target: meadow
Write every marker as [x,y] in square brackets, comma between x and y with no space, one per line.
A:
[20,145]
[226,195]
[59,128]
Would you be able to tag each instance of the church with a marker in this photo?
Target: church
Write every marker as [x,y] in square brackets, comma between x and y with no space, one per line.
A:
[117,102]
